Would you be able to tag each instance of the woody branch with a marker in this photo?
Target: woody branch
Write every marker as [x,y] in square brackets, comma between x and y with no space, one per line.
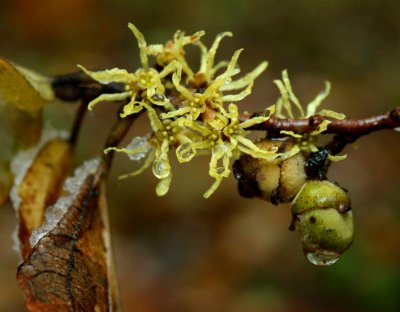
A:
[75,86]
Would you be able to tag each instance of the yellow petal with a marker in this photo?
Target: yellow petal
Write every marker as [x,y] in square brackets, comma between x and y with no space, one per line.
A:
[292,134]
[283,101]
[179,112]
[323,126]
[161,166]
[185,152]
[110,75]
[240,96]
[145,165]
[244,81]
[131,108]
[109,97]
[230,70]
[313,105]
[212,188]
[332,114]
[142,45]
[250,148]
[292,97]
[163,186]
[155,121]
[337,157]
[213,50]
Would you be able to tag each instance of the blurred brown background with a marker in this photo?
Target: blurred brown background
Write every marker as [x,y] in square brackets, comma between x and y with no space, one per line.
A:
[182,252]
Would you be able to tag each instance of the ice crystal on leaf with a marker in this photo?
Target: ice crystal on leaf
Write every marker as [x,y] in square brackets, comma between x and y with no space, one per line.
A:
[55,212]
[23,160]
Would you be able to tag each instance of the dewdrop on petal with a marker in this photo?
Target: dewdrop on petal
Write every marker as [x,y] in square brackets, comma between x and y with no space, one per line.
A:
[139,148]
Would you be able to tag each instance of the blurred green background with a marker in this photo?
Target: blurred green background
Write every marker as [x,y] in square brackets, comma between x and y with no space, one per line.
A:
[182,252]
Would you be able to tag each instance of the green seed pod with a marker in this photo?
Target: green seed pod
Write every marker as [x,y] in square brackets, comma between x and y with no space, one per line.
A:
[276,181]
[322,215]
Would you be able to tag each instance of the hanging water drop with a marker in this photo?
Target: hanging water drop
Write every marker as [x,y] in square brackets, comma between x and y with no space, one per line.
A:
[185,152]
[158,99]
[161,168]
[322,258]
[220,170]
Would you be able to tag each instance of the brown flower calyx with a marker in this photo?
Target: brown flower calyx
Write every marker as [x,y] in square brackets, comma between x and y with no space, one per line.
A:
[276,181]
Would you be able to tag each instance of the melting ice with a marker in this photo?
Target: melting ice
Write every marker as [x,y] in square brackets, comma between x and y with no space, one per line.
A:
[55,212]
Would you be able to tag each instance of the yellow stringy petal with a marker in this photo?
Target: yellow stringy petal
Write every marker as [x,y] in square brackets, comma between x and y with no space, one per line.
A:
[148,161]
[291,95]
[283,102]
[131,108]
[162,187]
[207,61]
[323,126]
[142,45]
[243,82]
[109,98]
[240,96]
[257,120]
[250,148]
[110,75]
[332,114]
[192,112]
[292,134]
[161,166]
[337,157]
[230,69]
[314,104]
[213,188]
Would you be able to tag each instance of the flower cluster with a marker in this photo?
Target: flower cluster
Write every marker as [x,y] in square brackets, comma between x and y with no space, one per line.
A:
[306,142]
[191,112]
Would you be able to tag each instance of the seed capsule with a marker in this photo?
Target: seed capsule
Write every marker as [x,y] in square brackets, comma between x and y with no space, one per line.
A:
[275,181]
[323,217]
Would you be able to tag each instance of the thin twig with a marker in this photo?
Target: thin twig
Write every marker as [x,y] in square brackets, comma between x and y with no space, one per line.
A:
[358,127]
[116,135]
[78,120]
[76,86]
[346,131]
[79,86]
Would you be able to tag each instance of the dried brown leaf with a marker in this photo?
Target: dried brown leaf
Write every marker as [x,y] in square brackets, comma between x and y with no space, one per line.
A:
[20,118]
[5,182]
[69,268]
[41,187]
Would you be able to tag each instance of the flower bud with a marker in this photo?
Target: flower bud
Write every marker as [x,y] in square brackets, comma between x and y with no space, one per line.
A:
[276,181]
[322,215]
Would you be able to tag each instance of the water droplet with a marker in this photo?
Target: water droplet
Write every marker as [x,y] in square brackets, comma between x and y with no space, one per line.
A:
[220,170]
[220,148]
[185,152]
[322,257]
[139,147]
[161,168]
[158,99]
